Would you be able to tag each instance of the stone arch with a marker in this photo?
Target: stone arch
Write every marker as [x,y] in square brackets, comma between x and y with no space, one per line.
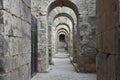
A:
[62,31]
[63,24]
[65,3]
[65,21]
[66,15]
[69,4]
[61,3]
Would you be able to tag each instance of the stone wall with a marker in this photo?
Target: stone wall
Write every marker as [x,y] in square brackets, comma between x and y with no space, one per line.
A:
[43,59]
[108,58]
[86,64]
[85,43]
[39,11]
[86,40]
[15,40]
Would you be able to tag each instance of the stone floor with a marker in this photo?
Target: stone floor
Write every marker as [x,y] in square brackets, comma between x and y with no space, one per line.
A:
[63,70]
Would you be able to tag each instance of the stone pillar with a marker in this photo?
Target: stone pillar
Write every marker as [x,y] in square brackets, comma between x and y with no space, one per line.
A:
[43,58]
[15,39]
[53,40]
[39,10]
[74,47]
[108,57]
[86,57]
[86,44]
[71,43]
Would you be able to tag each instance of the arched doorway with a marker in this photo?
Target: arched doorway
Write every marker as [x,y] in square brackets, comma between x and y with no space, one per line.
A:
[62,42]
[55,12]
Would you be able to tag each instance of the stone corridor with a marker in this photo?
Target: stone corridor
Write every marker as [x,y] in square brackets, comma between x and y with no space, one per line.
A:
[60,37]
[63,70]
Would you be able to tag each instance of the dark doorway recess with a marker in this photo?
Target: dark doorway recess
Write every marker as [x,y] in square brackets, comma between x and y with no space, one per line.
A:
[62,38]
[34,47]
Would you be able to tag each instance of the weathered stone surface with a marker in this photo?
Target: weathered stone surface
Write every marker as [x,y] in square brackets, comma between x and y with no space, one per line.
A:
[107,38]
[15,39]
[86,63]
[38,12]
[15,34]
[106,67]
[3,77]
[86,9]
[87,44]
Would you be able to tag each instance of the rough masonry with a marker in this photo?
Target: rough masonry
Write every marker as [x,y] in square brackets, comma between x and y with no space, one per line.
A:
[15,39]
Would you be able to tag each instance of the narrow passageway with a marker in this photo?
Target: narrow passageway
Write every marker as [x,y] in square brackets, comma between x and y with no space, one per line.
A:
[63,70]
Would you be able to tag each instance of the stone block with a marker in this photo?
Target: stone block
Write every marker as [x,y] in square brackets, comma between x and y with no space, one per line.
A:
[106,67]
[1,4]
[3,77]
[108,41]
[86,63]
[92,21]
[24,72]
[14,75]
[15,40]
[1,46]
[27,2]
[1,19]
[107,15]
[99,42]
[5,65]
[118,67]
